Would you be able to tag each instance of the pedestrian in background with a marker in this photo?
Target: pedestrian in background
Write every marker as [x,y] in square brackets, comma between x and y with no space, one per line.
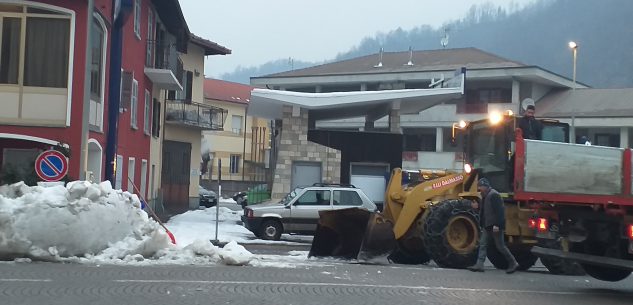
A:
[492,221]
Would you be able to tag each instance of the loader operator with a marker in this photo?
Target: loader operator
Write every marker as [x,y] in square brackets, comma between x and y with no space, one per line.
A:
[492,220]
[531,127]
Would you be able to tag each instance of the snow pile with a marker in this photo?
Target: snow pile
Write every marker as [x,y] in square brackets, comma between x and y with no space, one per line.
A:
[81,219]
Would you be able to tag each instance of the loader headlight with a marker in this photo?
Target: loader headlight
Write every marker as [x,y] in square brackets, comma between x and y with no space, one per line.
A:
[468,168]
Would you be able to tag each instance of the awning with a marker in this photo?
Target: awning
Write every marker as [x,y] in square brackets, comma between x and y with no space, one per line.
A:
[268,104]
[163,79]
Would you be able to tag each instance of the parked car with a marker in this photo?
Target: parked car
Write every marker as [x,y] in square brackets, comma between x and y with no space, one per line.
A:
[298,211]
[208,198]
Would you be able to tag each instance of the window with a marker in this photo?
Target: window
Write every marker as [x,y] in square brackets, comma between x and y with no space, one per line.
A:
[422,139]
[134,104]
[97,74]
[147,113]
[236,124]
[137,18]
[187,86]
[143,178]
[347,198]
[130,174]
[118,169]
[314,197]
[96,67]
[235,164]
[156,118]
[150,38]
[9,60]
[41,38]
[46,52]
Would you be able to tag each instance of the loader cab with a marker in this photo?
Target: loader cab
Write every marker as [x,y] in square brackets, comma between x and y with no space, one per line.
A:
[489,147]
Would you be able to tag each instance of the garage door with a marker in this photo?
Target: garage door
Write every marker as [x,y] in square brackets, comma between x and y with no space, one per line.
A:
[371,178]
[305,173]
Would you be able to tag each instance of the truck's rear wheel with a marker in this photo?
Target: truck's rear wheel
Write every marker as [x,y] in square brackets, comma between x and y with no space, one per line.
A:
[524,257]
[606,274]
[556,265]
[451,234]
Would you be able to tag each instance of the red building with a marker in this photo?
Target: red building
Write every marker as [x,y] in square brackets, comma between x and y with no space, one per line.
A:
[42,72]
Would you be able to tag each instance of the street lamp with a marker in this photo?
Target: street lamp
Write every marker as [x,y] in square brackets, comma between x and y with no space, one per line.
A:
[574,47]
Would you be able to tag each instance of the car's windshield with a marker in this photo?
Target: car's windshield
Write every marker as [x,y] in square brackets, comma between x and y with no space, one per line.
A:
[290,196]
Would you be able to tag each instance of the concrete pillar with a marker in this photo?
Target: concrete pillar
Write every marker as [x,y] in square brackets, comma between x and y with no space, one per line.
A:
[369,125]
[394,118]
[318,89]
[516,90]
[624,137]
[439,139]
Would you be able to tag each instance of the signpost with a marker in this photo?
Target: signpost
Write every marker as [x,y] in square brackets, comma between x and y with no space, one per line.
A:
[51,166]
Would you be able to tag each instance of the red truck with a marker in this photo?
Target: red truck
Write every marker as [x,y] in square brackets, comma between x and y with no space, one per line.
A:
[583,201]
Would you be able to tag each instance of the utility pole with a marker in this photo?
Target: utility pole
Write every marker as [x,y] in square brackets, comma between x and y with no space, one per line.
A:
[85,132]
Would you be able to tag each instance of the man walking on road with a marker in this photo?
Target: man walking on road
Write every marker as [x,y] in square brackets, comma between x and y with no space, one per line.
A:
[492,220]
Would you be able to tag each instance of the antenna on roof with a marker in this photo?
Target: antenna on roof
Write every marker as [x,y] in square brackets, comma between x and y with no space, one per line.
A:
[380,58]
[444,41]
[410,63]
[291,63]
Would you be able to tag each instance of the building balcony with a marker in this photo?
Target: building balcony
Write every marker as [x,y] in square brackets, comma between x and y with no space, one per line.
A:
[163,66]
[194,115]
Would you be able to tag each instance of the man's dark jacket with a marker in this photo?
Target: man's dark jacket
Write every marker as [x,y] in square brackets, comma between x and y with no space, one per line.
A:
[492,212]
[532,128]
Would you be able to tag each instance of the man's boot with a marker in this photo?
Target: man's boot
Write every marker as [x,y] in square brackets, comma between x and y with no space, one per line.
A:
[512,268]
[478,267]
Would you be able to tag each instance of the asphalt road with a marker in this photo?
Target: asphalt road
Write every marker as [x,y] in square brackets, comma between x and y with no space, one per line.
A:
[318,282]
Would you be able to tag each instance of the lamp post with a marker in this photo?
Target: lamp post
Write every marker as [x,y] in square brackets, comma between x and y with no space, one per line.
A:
[572,134]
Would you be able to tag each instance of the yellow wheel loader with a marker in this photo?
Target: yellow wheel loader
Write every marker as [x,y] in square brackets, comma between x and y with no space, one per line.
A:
[433,218]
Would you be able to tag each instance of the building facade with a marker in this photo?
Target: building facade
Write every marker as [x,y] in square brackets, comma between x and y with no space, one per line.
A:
[43,81]
[492,84]
[244,143]
[42,72]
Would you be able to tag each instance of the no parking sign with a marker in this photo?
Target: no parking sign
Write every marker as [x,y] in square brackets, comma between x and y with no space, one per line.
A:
[51,166]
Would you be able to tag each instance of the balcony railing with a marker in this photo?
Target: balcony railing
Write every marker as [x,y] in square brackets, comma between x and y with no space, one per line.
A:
[162,55]
[195,115]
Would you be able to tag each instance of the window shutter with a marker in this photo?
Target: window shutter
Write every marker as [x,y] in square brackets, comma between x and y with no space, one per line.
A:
[126,89]
[156,118]
[189,89]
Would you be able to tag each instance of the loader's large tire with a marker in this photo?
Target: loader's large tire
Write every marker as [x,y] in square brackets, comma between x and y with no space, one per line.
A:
[556,265]
[524,257]
[402,256]
[451,234]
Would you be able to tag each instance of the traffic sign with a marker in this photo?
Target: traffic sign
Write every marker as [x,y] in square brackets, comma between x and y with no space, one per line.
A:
[51,166]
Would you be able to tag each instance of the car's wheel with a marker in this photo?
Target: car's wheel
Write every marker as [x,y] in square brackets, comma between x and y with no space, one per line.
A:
[524,257]
[451,234]
[270,230]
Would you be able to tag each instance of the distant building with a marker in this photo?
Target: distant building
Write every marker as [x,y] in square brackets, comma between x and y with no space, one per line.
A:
[492,84]
[243,145]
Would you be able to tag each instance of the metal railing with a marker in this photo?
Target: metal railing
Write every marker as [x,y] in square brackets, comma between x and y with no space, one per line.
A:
[162,55]
[196,115]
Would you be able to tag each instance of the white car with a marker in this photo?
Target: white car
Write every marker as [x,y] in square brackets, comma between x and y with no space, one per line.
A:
[298,211]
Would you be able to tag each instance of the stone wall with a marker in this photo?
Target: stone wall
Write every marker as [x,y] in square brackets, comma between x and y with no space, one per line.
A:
[294,146]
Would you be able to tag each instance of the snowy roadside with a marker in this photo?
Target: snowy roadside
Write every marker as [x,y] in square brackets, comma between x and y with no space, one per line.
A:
[94,224]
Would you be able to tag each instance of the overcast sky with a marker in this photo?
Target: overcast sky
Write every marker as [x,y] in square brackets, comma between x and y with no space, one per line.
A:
[258,31]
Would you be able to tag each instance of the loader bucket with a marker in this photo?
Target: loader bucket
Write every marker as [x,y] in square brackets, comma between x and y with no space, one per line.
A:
[352,234]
